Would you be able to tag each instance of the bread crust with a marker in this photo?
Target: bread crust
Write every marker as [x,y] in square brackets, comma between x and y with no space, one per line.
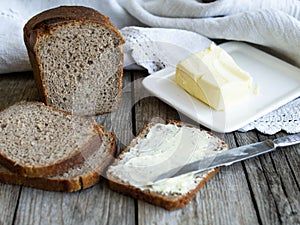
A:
[166,202]
[46,22]
[60,166]
[93,178]
[62,184]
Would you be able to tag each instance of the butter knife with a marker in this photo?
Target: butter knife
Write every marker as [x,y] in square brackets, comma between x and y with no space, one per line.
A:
[228,157]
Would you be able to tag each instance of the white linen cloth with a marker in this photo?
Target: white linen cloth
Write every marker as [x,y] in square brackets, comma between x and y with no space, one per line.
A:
[15,13]
[158,48]
[274,24]
[271,23]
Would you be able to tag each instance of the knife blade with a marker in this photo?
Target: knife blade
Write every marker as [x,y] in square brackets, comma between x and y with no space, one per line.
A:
[228,157]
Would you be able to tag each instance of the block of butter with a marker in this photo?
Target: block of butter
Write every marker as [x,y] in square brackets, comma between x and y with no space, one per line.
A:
[213,77]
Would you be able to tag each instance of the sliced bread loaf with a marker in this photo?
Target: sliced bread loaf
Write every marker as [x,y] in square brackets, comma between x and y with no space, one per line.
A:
[77,59]
[157,149]
[38,140]
[82,176]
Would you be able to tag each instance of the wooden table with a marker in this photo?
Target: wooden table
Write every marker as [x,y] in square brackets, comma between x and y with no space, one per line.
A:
[263,190]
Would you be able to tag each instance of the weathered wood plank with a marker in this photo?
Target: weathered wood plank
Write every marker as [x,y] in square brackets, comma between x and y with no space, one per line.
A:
[9,195]
[281,178]
[258,184]
[96,205]
[149,108]
[225,199]
[17,87]
[273,184]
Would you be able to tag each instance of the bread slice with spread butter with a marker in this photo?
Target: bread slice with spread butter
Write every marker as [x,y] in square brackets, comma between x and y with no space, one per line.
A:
[157,149]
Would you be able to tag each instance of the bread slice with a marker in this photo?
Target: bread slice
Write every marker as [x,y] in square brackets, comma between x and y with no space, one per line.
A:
[38,140]
[156,149]
[82,176]
[77,59]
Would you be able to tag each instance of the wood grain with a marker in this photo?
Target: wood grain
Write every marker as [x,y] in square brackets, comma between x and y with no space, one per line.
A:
[17,87]
[9,197]
[91,206]
[274,189]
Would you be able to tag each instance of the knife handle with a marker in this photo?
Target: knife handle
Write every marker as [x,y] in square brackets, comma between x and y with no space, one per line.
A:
[287,140]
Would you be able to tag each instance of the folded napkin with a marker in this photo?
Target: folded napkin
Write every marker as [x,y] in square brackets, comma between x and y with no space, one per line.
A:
[158,48]
[182,27]
[271,23]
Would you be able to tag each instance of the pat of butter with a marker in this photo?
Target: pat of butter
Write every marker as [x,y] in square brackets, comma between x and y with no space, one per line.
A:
[213,77]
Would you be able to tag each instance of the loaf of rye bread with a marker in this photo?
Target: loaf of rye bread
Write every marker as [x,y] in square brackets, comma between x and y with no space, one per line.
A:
[77,59]
[38,140]
[163,198]
[80,177]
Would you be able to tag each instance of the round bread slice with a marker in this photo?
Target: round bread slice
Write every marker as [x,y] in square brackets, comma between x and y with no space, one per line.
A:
[130,176]
[38,140]
[77,59]
[80,177]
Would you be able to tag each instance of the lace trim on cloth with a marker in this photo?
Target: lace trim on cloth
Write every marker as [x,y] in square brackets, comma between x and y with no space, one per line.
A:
[285,118]
[158,48]
[144,49]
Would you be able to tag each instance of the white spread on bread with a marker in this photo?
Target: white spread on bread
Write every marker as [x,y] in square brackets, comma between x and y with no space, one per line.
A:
[213,77]
[165,147]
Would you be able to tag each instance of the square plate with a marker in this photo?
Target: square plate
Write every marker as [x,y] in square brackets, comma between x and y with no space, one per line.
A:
[278,83]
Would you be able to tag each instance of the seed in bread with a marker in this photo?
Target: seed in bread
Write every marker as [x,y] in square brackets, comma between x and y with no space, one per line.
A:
[157,149]
[38,140]
[77,59]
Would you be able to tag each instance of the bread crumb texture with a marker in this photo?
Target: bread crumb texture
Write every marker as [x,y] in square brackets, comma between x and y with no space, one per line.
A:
[94,162]
[82,67]
[33,134]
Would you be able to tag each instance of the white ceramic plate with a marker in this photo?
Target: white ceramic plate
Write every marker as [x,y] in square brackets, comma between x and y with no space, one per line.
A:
[278,83]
